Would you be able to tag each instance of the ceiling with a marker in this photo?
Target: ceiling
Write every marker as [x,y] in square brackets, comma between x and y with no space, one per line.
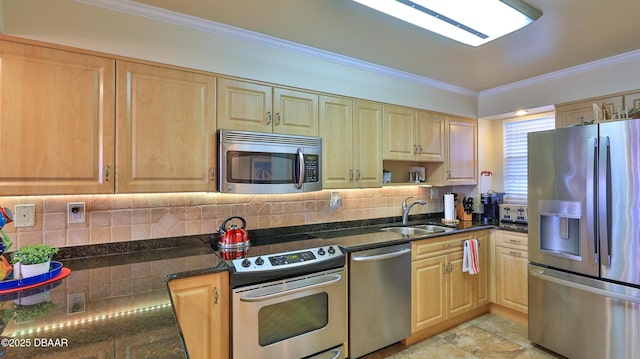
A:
[569,33]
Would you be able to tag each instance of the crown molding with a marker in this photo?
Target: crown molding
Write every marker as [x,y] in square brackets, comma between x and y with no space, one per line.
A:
[155,13]
[556,75]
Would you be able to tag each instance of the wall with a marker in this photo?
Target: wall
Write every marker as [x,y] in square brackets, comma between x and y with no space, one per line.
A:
[602,77]
[118,218]
[91,27]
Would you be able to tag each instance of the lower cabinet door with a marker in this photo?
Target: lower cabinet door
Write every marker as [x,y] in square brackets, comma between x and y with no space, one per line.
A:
[201,304]
[511,279]
[428,293]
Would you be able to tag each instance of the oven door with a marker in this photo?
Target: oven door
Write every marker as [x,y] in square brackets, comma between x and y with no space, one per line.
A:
[292,318]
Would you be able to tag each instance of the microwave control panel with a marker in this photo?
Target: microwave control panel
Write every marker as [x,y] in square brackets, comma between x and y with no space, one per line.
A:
[312,168]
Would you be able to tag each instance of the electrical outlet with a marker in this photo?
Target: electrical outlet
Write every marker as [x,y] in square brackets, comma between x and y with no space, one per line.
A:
[335,201]
[75,212]
[25,215]
[435,193]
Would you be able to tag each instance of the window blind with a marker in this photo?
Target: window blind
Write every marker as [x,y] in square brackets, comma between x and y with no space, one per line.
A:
[515,155]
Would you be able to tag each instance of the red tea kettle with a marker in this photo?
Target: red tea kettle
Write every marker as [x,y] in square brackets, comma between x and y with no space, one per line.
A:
[234,241]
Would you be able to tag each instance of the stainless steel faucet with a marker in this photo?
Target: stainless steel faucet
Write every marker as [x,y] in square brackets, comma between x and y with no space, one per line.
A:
[407,208]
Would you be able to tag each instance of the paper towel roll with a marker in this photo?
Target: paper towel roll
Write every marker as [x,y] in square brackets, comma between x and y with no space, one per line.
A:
[449,208]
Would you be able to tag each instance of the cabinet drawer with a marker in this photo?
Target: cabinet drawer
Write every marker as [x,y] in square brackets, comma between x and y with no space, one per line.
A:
[512,240]
[433,247]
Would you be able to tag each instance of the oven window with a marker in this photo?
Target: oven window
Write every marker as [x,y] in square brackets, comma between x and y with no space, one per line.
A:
[261,167]
[281,321]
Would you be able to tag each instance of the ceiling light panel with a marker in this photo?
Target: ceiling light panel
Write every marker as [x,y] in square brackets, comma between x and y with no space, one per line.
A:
[472,22]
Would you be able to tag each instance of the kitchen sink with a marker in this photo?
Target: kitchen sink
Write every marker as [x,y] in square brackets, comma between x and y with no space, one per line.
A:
[433,228]
[418,230]
[407,231]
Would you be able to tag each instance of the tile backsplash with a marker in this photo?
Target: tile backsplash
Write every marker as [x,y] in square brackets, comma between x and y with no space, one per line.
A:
[130,217]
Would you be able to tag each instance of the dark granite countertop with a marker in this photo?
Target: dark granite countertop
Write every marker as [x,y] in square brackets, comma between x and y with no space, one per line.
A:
[110,306]
[118,305]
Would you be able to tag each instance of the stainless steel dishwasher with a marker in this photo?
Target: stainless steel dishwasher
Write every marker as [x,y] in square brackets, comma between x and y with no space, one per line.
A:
[379,298]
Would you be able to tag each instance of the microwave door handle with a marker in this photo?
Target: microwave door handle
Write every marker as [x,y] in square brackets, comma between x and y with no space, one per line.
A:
[301,169]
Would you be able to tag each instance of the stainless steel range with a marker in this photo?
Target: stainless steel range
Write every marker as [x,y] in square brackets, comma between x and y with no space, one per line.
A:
[291,303]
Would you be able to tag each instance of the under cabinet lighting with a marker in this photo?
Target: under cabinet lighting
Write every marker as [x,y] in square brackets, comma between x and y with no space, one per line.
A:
[472,22]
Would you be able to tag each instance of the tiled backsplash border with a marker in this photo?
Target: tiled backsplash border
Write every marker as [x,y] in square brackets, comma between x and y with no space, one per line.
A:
[133,217]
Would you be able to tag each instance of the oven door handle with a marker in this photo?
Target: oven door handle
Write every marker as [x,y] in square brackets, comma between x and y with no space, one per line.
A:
[313,283]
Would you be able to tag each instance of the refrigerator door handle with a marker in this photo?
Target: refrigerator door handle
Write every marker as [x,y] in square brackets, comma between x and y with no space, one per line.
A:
[591,194]
[584,288]
[604,207]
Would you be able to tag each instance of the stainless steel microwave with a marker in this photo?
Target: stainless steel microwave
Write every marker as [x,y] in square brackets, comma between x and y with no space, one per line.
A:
[262,163]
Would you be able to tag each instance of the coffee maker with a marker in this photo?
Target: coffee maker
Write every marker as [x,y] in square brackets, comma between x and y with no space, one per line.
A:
[491,210]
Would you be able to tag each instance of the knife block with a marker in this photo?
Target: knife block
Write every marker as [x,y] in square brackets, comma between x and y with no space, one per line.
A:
[463,215]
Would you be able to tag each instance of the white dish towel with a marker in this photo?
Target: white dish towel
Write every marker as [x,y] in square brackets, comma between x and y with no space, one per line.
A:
[470,261]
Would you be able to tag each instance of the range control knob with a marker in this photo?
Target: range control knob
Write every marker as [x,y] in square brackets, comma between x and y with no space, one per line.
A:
[246,263]
[259,261]
[321,251]
[331,250]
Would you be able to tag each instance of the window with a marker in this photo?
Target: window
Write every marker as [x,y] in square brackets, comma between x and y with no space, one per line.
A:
[515,155]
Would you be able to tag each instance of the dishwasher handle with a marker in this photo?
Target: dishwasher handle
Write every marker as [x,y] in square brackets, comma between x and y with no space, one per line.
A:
[378,257]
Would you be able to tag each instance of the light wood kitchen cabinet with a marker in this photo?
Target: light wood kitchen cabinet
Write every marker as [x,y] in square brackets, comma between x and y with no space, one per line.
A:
[430,136]
[461,162]
[399,128]
[440,290]
[259,107]
[166,137]
[511,259]
[351,132]
[571,113]
[56,121]
[411,135]
[202,306]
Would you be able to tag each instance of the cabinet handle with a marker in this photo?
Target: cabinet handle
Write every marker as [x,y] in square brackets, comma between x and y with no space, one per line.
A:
[420,147]
[216,296]
[446,268]
[106,173]
[450,267]
[269,118]
[517,254]
[358,175]
[515,241]
[277,118]
[415,149]
[350,175]
[212,174]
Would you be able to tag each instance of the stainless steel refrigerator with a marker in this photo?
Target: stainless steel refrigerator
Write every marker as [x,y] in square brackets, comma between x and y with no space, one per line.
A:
[584,240]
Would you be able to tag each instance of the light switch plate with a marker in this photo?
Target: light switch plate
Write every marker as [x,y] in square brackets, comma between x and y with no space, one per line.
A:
[25,215]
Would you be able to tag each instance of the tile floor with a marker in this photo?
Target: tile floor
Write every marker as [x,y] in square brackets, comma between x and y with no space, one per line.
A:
[488,336]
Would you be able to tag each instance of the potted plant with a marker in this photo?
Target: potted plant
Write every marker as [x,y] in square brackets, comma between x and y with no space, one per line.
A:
[34,260]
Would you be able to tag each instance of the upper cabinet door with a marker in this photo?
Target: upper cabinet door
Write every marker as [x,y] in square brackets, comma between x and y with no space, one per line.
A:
[399,125]
[166,133]
[295,112]
[244,106]
[336,130]
[430,136]
[367,143]
[56,121]
[462,161]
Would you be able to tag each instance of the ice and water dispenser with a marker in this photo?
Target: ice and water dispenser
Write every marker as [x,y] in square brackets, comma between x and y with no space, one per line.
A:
[560,228]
